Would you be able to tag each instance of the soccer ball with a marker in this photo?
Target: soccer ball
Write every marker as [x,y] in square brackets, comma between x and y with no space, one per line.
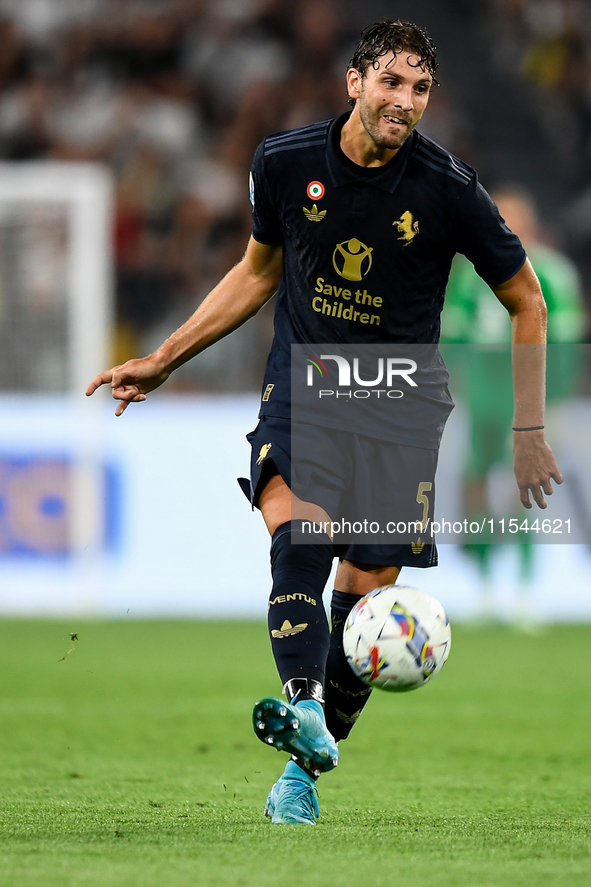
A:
[397,638]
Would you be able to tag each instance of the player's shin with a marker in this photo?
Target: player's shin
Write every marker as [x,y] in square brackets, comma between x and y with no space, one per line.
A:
[298,626]
[299,637]
[345,694]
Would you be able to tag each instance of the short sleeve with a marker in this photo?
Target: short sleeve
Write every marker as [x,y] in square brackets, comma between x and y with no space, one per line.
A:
[483,237]
[266,225]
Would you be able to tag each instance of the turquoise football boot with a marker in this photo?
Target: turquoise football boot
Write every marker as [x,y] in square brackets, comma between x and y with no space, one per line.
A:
[298,729]
[293,798]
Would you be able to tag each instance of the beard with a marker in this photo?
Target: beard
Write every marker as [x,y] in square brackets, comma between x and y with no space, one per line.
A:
[371,122]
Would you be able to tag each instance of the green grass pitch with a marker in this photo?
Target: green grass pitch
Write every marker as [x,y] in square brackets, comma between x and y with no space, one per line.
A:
[132,761]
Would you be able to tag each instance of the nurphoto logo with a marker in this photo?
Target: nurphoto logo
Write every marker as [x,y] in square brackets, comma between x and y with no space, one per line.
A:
[388,370]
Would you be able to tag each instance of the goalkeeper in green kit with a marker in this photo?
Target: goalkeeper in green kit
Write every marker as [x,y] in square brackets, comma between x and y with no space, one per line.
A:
[471,317]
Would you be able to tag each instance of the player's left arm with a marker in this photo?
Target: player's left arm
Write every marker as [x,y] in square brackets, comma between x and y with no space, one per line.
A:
[533,460]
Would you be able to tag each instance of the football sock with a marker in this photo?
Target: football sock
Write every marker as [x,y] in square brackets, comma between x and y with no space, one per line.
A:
[299,689]
[294,770]
[294,763]
[345,694]
[297,620]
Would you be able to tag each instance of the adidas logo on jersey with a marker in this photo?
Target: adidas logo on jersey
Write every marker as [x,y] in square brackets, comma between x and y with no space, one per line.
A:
[313,215]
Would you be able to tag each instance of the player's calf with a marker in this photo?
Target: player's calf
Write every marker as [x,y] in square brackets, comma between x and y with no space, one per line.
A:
[298,626]
[345,694]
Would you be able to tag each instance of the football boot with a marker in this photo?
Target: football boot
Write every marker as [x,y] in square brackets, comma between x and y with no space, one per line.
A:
[293,798]
[298,729]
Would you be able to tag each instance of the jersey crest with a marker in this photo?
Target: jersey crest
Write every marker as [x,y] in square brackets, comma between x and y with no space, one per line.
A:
[264,452]
[407,227]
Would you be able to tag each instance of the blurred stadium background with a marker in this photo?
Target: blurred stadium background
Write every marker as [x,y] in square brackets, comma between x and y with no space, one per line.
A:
[126,135]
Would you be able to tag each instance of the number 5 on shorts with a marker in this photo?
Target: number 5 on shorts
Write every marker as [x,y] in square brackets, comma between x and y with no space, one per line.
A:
[422,500]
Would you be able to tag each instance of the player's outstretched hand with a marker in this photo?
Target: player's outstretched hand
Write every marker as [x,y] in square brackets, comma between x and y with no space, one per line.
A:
[534,466]
[131,381]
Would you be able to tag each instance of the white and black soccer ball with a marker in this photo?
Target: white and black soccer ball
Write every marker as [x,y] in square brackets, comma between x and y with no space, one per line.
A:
[396,638]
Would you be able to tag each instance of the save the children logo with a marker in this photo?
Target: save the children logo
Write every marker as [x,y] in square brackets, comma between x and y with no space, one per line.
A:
[352,259]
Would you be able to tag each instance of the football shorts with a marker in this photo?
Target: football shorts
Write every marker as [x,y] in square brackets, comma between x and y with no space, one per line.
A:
[379,495]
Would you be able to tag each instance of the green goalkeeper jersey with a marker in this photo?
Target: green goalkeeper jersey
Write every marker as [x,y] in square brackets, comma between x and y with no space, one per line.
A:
[482,377]
[473,315]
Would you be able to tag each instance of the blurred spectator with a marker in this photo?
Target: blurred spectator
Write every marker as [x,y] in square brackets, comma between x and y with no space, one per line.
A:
[24,119]
[13,57]
[549,43]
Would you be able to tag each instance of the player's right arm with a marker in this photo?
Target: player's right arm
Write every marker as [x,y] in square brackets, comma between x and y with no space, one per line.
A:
[236,298]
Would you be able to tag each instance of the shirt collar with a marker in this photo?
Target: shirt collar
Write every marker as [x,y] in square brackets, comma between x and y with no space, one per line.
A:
[342,174]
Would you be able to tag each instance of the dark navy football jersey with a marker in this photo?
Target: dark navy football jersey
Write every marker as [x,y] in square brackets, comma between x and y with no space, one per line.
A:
[367,251]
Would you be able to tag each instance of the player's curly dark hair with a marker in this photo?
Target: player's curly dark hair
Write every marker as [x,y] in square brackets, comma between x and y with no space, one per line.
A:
[394,36]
